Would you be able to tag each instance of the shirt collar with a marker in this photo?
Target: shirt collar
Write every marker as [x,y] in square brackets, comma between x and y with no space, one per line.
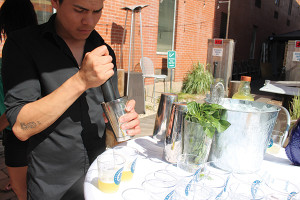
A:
[49,27]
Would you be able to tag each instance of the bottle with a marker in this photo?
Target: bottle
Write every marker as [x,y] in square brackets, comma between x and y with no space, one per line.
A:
[244,89]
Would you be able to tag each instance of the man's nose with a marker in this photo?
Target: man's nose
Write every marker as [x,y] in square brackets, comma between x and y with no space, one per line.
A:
[87,19]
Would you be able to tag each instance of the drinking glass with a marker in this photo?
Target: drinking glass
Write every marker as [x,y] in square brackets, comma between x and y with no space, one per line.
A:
[158,189]
[190,189]
[282,186]
[134,193]
[189,162]
[280,196]
[176,171]
[216,178]
[162,175]
[244,191]
[247,186]
[130,154]
[214,167]
[110,167]
[275,142]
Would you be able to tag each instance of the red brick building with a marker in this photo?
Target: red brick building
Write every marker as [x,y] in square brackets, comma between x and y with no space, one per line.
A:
[195,22]
[194,25]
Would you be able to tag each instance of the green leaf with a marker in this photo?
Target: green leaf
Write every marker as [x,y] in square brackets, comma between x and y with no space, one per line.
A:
[224,125]
[211,117]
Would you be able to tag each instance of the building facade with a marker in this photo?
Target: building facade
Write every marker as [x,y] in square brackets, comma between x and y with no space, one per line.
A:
[253,22]
[193,26]
[185,26]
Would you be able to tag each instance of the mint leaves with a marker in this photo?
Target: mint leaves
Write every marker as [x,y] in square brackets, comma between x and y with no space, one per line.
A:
[209,116]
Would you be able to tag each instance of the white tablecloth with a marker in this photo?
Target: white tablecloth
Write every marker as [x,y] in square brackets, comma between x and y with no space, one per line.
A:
[274,164]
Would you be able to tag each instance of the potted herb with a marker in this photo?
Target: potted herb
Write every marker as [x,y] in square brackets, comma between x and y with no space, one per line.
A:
[201,122]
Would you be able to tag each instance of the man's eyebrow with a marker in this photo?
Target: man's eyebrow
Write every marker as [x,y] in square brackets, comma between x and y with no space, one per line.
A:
[80,7]
[98,10]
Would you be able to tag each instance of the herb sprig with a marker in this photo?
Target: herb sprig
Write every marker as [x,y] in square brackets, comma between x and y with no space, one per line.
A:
[209,116]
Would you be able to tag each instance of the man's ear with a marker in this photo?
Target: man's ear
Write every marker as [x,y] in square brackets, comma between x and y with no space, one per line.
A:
[55,3]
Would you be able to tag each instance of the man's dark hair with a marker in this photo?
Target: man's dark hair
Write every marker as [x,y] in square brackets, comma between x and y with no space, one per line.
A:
[15,15]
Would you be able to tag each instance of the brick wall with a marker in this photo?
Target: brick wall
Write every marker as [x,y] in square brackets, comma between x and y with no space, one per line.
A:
[194,26]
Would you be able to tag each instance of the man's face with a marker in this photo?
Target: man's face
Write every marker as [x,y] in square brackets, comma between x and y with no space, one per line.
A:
[76,19]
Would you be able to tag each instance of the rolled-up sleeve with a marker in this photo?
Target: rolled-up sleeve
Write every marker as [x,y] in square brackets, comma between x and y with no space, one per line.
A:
[20,80]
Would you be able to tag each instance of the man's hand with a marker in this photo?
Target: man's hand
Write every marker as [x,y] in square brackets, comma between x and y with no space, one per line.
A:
[96,67]
[130,120]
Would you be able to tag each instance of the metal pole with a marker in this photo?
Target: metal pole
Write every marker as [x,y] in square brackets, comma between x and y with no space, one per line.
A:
[133,40]
[127,91]
[174,25]
[228,16]
[123,39]
[141,28]
[171,78]
[142,54]
[173,41]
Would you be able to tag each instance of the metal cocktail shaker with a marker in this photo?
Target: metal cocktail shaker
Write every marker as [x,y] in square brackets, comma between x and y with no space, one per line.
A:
[114,108]
[113,111]
[162,116]
[174,133]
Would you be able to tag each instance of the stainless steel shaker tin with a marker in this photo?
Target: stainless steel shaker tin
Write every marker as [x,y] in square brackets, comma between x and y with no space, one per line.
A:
[113,110]
[174,132]
[163,114]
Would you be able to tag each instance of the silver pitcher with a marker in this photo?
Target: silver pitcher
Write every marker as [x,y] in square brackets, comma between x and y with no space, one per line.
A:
[163,114]
[174,132]
[242,146]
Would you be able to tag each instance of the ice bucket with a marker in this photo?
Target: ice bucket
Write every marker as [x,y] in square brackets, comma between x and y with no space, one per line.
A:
[242,146]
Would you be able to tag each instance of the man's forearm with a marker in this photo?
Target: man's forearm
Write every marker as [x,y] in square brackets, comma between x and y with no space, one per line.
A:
[37,116]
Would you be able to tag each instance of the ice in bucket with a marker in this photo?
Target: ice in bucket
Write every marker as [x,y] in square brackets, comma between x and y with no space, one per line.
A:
[243,145]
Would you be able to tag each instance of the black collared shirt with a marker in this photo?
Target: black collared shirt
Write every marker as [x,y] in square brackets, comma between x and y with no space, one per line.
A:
[36,61]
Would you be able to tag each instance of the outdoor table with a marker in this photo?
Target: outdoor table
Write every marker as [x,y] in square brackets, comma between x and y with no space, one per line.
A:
[275,164]
[287,89]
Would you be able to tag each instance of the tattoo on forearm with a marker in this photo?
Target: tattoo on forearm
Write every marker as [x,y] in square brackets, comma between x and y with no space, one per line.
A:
[29,125]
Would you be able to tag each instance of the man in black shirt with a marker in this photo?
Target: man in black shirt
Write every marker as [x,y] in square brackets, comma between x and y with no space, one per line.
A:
[51,76]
